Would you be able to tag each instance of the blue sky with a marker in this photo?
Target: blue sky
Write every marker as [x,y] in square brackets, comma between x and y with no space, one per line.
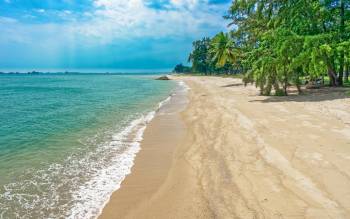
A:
[104,34]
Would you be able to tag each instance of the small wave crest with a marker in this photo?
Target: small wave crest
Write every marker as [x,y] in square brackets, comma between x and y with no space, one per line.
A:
[80,186]
[184,85]
[96,192]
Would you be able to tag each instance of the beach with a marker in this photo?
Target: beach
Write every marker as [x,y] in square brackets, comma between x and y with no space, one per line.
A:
[230,153]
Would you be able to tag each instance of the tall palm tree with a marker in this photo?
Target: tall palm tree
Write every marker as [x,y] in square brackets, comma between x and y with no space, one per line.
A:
[223,49]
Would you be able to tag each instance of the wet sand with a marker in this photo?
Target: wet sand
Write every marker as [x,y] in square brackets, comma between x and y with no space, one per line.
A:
[153,162]
[234,154]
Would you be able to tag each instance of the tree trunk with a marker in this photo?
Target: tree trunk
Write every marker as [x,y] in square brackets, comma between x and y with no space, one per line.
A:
[346,76]
[342,32]
[341,69]
[332,77]
[285,86]
[285,89]
[297,83]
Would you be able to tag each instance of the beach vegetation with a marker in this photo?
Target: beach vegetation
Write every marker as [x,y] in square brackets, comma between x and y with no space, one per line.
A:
[180,68]
[277,44]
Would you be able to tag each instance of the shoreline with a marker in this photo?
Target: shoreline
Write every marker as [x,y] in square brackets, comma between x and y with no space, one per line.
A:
[243,156]
[161,137]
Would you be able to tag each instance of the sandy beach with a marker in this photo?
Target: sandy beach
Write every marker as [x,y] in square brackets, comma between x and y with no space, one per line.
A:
[226,152]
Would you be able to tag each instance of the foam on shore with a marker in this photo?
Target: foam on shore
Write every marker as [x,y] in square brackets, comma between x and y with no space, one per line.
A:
[95,194]
[83,184]
[152,163]
[73,171]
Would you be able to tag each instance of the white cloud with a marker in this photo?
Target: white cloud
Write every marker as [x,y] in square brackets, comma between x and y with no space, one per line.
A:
[40,10]
[184,3]
[114,27]
[115,19]
[7,20]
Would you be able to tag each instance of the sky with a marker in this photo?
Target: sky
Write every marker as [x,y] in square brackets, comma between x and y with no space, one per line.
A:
[104,34]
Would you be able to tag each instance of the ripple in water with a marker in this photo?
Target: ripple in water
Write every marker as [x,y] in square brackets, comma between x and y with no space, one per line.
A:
[81,185]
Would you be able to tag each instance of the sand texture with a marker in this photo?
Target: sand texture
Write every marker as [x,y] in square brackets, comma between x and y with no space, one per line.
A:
[241,155]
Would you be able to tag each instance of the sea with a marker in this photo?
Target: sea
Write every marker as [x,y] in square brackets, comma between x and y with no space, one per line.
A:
[67,141]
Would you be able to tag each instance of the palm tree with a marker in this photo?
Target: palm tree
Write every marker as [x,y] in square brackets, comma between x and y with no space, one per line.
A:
[223,50]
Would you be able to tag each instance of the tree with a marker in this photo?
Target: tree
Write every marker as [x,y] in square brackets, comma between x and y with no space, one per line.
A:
[180,68]
[222,50]
[282,41]
[278,43]
[199,56]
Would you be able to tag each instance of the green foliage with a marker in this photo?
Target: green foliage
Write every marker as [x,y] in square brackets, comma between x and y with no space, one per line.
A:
[182,69]
[199,56]
[222,50]
[280,43]
[283,41]
[214,56]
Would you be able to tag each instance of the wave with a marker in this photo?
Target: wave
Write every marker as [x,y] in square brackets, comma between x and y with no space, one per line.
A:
[94,195]
[80,186]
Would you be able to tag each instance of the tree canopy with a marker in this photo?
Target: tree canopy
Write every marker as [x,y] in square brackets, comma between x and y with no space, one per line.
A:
[180,68]
[278,43]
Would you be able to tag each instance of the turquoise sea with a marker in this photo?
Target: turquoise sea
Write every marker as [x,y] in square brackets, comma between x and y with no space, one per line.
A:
[67,141]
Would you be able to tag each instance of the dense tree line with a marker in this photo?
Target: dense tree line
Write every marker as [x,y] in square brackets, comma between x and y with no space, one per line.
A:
[180,68]
[278,43]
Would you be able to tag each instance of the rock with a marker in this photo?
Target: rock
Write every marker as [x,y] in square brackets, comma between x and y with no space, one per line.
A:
[163,78]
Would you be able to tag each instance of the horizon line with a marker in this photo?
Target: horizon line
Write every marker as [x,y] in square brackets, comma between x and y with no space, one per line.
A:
[84,71]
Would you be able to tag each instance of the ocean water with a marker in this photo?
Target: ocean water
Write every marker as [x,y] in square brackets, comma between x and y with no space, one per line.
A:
[68,141]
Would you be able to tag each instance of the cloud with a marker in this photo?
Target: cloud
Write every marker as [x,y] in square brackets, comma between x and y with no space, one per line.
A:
[184,3]
[115,19]
[150,32]
[111,20]
[7,20]
[40,10]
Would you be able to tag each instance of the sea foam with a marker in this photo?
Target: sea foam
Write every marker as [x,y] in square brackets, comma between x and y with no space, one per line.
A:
[91,197]
[82,185]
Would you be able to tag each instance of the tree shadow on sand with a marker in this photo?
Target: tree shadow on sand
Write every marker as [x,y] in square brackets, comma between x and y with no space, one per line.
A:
[233,85]
[314,95]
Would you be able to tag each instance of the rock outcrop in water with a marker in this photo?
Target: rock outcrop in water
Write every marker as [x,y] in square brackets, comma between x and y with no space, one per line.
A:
[164,78]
